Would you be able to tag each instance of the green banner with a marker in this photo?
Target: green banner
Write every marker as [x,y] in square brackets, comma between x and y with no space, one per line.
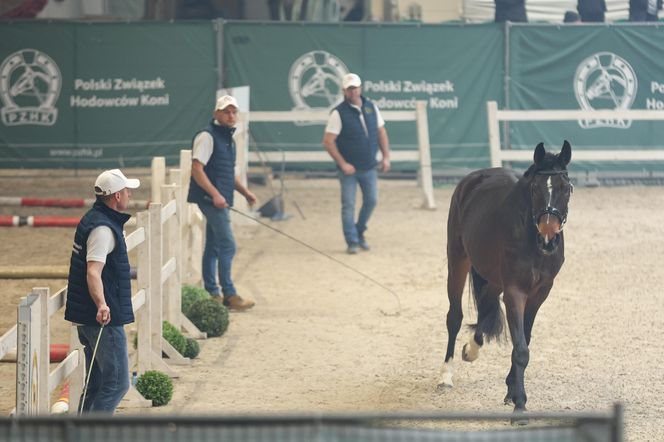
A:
[92,95]
[593,68]
[455,69]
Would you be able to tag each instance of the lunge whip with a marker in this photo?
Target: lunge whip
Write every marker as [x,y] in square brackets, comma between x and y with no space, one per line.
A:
[364,275]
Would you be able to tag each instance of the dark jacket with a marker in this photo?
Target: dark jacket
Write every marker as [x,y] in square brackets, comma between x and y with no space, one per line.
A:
[354,145]
[115,276]
[511,10]
[220,168]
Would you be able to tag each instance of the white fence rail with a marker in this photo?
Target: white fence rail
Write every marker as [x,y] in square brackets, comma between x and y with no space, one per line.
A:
[498,155]
[422,155]
[163,264]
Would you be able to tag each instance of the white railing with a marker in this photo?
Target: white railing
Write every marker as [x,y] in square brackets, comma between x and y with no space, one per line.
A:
[498,155]
[422,155]
[163,264]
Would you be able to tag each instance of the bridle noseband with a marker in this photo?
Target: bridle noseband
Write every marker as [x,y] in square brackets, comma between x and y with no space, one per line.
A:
[550,210]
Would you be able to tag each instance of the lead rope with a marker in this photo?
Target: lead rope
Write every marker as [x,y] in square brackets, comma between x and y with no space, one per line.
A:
[398,312]
[87,378]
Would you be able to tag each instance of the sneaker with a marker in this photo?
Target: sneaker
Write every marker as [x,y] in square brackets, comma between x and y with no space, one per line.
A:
[218,298]
[236,302]
[352,249]
[364,245]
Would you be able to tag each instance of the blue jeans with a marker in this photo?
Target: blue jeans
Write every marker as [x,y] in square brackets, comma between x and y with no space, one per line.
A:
[219,250]
[368,181]
[109,378]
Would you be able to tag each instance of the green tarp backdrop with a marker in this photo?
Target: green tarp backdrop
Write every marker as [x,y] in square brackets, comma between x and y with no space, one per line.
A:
[117,94]
[455,69]
[587,67]
[92,95]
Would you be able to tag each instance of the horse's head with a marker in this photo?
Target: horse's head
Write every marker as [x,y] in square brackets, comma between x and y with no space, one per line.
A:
[550,191]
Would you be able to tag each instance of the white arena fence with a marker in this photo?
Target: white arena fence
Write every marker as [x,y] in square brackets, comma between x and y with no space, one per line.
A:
[498,155]
[168,244]
[421,156]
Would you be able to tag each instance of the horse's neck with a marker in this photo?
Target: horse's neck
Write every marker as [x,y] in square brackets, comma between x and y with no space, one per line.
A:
[516,209]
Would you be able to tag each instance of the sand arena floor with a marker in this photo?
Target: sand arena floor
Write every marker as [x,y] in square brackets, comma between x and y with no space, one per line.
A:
[317,339]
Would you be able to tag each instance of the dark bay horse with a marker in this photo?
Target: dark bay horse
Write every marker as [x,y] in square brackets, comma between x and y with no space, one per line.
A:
[507,232]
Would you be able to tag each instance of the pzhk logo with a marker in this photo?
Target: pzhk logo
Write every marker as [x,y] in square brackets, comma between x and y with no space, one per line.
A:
[314,80]
[29,87]
[605,81]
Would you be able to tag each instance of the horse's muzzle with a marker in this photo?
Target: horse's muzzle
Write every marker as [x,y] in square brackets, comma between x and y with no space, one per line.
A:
[549,224]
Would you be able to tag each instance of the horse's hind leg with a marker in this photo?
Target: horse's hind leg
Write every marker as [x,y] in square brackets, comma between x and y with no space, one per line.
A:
[489,316]
[458,266]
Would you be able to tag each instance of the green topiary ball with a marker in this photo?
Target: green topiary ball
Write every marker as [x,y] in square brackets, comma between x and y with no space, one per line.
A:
[174,337]
[191,294]
[156,386]
[192,348]
[209,316]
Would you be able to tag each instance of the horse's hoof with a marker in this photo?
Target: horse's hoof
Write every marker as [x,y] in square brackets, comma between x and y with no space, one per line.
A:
[469,354]
[445,382]
[443,387]
[519,418]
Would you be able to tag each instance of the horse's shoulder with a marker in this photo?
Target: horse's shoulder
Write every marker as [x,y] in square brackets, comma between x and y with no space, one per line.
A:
[487,179]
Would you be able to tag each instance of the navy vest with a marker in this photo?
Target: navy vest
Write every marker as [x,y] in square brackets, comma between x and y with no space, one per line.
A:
[115,276]
[354,145]
[220,168]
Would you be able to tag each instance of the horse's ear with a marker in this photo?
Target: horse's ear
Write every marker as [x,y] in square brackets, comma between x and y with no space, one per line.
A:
[565,154]
[539,153]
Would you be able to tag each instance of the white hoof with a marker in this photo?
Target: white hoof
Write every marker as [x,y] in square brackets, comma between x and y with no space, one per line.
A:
[446,375]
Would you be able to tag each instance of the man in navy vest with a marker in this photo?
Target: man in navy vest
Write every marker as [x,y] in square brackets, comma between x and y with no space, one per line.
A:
[212,184]
[99,291]
[354,132]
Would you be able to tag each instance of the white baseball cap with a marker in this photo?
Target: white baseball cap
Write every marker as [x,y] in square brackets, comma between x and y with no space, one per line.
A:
[351,80]
[225,101]
[111,181]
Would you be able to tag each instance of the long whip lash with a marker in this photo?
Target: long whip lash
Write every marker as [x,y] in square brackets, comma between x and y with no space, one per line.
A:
[87,378]
[364,275]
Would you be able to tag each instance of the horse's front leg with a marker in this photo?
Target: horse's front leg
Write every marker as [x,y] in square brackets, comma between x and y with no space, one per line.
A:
[532,307]
[515,303]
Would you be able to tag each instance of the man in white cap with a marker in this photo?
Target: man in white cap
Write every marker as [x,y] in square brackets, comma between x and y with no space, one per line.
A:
[212,186]
[354,133]
[99,291]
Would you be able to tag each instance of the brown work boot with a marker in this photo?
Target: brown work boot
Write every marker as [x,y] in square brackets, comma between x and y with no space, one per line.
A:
[236,302]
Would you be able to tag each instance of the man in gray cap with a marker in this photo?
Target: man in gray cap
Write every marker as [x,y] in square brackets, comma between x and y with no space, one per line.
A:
[212,186]
[99,291]
[354,133]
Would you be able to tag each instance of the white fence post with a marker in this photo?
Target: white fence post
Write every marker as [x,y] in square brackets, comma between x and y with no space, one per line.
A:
[144,314]
[171,249]
[425,173]
[494,133]
[77,378]
[158,178]
[154,219]
[27,355]
[44,354]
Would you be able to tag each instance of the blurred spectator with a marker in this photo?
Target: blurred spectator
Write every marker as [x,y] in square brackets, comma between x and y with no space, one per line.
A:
[591,11]
[511,10]
[355,12]
[644,10]
[196,10]
[571,17]
[23,9]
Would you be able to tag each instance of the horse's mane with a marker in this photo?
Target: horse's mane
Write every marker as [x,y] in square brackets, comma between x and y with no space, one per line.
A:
[550,163]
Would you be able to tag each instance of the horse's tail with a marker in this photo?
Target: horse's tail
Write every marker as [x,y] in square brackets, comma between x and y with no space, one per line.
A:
[491,321]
